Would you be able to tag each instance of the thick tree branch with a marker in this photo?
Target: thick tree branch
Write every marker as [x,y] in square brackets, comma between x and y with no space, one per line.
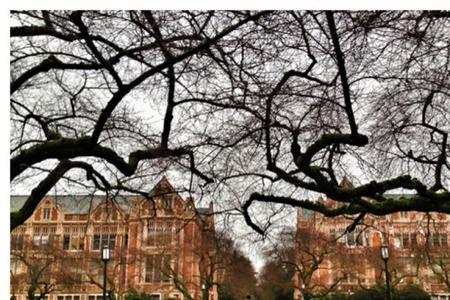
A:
[353,206]
[342,72]
[52,62]
[24,31]
[19,217]
[65,148]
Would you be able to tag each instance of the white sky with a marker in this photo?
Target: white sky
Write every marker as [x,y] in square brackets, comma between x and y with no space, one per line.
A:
[145,4]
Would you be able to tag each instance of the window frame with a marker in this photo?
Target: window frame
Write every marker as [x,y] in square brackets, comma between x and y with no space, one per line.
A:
[46,213]
[403,215]
[17,241]
[167,201]
[158,233]
[158,263]
[74,238]
[99,239]
[43,236]
[72,296]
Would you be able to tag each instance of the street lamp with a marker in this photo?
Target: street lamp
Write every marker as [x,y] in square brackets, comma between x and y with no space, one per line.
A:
[105,259]
[204,295]
[385,257]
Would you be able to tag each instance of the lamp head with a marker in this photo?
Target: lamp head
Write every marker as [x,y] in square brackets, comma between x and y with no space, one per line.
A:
[105,253]
[384,251]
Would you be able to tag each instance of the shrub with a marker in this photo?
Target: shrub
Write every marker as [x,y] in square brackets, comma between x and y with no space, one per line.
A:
[410,292]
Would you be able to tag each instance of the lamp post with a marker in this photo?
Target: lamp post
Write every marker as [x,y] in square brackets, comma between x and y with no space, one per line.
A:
[105,259]
[204,297]
[385,257]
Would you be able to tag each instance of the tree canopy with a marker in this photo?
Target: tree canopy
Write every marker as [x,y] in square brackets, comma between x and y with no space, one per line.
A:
[259,105]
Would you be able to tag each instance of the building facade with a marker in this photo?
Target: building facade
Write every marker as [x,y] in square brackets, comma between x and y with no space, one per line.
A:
[419,252]
[162,246]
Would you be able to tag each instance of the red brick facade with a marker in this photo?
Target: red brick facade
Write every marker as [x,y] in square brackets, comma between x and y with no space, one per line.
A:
[158,247]
[418,246]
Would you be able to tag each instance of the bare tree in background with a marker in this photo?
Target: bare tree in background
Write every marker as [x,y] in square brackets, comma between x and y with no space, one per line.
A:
[263,104]
[37,272]
[303,253]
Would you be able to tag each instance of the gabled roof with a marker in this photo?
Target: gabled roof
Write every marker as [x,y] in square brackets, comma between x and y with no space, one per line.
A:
[82,204]
[76,204]
[162,187]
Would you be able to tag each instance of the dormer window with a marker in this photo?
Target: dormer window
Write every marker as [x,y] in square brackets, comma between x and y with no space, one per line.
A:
[46,214]
[166,201]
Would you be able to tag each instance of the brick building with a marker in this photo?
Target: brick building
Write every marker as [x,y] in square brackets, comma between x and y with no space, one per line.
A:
[418,247]
[162,248]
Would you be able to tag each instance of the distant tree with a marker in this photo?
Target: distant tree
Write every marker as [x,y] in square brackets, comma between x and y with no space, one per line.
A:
[402,268]
[238,277]
[412,292]
[37,271]
[439,263]
[302,253]
[275,282]
[436,252]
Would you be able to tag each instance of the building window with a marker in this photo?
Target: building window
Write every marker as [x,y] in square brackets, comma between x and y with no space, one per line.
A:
[166,201]
[350,278]
[444,240]
[435,239]
[159,233]
[350,238]
[17,242]
[68,297]
[43,237]
[100,240]
[332,234]
[125,241]
[73,238]
[46,214]
[439,239]
[355,238]
[413,238]
[104,235]
[75,275]
[405,240]
[16,266]
[157,268]
[71,242]
[404,214]
[397,240]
